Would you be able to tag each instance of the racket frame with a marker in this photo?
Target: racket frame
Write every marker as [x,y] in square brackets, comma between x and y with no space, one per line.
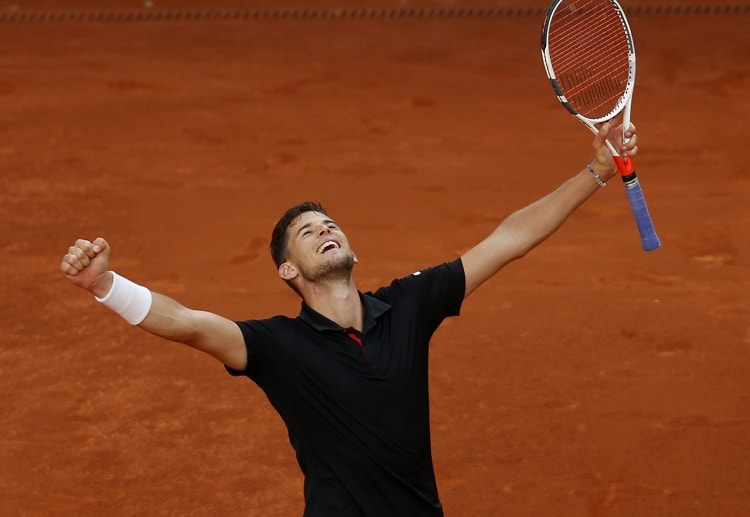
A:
[624,103]
[626,167]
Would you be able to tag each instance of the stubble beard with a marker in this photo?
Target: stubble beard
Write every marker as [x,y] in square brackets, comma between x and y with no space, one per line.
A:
[330,271]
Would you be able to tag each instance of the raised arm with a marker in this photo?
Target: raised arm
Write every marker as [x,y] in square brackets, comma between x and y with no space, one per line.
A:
[86,265]
[524,229]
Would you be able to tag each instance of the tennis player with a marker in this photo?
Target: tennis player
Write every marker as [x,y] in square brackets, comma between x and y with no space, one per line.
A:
[348,375]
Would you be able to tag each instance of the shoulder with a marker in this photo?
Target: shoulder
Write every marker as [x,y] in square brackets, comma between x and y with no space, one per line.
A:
[441,276]
[267,326]
[436,291]
[266,341]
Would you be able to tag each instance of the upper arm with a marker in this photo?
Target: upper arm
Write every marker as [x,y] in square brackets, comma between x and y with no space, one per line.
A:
[215,335]
[487,258]
[221,338]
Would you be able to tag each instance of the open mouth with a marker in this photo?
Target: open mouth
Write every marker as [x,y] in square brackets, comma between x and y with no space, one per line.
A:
[328,246]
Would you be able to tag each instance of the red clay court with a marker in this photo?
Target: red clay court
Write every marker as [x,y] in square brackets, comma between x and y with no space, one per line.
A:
[588,379]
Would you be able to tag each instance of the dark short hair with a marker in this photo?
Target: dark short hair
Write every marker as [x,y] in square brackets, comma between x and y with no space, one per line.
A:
[279,238]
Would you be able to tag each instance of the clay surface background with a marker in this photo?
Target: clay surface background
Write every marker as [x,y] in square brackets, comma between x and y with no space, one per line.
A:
[589,379]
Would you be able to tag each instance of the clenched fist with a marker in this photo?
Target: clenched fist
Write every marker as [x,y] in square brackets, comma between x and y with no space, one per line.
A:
[86,265]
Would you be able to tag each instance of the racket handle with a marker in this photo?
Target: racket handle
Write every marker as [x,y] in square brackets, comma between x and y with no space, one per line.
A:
[649,239]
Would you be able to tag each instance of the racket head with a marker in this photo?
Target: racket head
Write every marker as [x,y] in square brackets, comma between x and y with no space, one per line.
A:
[589,57]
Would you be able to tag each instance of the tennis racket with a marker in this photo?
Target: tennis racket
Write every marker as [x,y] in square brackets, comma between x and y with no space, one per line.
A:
[589,57]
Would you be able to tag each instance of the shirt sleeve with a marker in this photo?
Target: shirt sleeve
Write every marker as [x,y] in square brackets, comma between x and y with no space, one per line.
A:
[246,335]
[261,342]
[437,291]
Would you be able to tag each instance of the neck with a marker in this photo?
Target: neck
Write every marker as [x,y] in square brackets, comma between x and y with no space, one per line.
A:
[337,300]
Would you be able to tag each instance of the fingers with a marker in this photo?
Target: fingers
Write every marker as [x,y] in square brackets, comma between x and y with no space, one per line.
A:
[601,137]
[80,255]
[99,245]
[626,142]
[77,257]
[601,151]
[630,144]
[630,131]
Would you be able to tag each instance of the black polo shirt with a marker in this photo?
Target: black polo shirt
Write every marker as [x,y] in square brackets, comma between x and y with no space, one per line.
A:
[356,406]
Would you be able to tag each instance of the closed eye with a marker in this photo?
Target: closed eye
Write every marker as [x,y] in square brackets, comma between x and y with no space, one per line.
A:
[306,230]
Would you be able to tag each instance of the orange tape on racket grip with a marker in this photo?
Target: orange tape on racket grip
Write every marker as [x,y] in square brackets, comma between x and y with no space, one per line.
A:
[624,165]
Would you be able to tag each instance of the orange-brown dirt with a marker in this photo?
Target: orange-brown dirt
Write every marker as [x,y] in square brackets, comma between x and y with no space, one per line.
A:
[589,379]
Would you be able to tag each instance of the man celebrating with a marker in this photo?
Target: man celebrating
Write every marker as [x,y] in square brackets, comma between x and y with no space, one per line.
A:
[348,375]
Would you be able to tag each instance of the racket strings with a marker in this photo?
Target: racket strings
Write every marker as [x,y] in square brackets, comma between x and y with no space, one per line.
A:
[589,49]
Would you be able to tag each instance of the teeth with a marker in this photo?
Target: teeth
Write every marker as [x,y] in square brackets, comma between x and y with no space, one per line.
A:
[327,245]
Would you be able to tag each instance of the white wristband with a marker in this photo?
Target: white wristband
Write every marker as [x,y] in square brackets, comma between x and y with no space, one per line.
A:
[128,299]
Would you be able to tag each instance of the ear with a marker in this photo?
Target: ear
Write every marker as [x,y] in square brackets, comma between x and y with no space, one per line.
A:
[287,271]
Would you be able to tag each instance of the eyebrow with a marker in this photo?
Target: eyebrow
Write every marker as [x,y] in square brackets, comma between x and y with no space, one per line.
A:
[307,225]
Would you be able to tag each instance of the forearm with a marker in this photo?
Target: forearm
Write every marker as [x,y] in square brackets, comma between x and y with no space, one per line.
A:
[531,225]
[170,320]
[524,229]
[140,306]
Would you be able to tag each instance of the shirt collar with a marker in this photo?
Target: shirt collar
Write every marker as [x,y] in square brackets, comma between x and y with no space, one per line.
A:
[373,309]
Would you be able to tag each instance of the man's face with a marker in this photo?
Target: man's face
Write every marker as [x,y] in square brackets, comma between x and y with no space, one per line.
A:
[318,248]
